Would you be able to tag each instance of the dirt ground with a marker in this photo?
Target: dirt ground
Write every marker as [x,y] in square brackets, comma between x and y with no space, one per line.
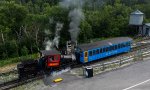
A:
[8,68]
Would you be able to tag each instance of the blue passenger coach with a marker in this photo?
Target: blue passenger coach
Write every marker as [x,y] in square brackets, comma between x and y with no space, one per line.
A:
[101,49]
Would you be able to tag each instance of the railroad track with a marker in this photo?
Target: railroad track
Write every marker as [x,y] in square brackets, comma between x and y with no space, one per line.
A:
[17,82]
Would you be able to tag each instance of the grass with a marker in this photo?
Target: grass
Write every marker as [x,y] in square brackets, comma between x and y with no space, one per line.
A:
[17,59]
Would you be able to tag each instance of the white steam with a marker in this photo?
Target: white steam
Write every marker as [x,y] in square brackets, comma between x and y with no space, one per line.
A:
[75,15]
[48,45]
[57,34]
[55,42]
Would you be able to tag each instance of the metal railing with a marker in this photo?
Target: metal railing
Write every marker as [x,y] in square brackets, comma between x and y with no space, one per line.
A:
[120,62]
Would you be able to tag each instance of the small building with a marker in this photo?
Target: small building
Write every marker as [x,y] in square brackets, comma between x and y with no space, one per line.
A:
[146,29]
[136,20]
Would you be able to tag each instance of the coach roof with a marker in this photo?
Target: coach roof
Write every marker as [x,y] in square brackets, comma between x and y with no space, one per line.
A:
[102,43]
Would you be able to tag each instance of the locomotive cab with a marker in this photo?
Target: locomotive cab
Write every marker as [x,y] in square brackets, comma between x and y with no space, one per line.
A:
[51,58]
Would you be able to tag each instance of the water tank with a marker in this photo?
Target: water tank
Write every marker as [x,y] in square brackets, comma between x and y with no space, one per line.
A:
[136,18]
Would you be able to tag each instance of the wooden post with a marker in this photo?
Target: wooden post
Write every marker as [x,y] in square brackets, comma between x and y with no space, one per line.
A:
[120,63]
[103,67]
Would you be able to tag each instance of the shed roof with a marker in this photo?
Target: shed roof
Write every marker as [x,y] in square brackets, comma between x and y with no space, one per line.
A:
[102,43]
[49,52]
[147,24]
[137,12]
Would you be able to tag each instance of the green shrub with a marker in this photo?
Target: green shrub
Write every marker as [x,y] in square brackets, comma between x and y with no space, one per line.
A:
[24,51]
[17,59]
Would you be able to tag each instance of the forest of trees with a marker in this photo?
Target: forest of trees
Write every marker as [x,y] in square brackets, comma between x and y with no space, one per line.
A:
[26,24]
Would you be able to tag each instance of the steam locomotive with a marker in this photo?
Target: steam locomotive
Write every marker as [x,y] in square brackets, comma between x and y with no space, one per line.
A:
[85,53]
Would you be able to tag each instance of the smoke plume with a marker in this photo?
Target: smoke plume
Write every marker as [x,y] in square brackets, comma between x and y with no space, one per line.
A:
[48,45]
[57,34]
[75,15]
[55,42]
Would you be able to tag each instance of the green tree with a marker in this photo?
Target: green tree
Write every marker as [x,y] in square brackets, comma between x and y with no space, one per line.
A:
[24,51]
[85,32]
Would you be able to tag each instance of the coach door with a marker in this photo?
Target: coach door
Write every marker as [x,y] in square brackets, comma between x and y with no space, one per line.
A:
[85,56]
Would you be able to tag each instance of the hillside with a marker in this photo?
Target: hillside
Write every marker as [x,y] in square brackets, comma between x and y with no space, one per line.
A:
[27,26]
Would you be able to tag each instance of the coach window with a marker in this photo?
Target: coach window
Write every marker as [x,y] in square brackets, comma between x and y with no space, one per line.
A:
[125,44]
[115,46]
[100,51]
[107,49]
[94,52]
[118,46]
[111,48]
[90,53]
[104,49]
[121,45]
[97,51]
[128,43]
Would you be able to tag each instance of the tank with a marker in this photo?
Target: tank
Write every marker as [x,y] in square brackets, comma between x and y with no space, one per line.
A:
[136,18]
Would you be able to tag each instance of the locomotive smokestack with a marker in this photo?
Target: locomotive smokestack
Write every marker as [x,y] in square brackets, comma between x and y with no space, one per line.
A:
[71,46]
